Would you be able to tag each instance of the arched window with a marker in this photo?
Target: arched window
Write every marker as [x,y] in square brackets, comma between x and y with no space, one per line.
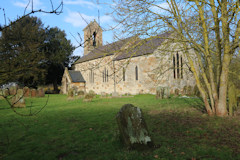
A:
[107,75]
[136,73]
[174,67]
[124,74]
[181,68]
[103,75]
[178,66]
[91,76]
[94,38]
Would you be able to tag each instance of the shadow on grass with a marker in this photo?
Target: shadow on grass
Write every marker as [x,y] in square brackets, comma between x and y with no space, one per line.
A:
[195,135]
[198,104]
[28,106]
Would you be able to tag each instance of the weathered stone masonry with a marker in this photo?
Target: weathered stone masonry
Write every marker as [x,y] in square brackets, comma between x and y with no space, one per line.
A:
[121,68]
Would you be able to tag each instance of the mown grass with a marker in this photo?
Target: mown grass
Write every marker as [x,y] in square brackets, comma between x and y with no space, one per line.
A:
[88,130]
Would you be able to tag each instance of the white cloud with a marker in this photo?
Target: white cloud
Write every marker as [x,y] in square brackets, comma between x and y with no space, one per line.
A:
[23,4]
[158,8]
[77,20]
[84,3]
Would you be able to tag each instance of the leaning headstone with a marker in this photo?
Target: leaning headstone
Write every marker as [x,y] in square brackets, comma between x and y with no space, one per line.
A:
[133,129]
[166,93]
[18,100]
[13,90]
[160,92]
[177,92]
[40,92]
[189,90]
[26,92]
[6,92]
[1,94]
[103,94]
[185,88]
[33,92]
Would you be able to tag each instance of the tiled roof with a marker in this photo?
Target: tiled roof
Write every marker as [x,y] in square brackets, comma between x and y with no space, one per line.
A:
[76,76]
[102,51]
[143,47]
[139,48]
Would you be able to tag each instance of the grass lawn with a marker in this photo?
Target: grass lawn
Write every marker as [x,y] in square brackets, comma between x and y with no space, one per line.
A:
[88,130]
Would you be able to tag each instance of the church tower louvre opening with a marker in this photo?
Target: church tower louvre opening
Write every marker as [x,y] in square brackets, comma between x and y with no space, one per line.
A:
[92,37]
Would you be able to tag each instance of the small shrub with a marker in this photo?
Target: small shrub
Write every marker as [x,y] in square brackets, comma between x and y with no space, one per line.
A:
[89,96]
[81,93]
[70,93]
[189,90]
[177,92]
[92,92]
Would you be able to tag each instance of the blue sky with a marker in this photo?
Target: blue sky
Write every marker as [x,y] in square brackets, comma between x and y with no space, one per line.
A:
[70,20]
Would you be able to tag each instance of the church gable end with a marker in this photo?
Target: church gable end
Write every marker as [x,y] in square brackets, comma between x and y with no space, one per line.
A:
[72,79]
[92,37]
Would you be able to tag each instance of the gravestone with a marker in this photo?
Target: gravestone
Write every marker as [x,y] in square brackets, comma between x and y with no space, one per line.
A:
[166,92]
[18,100]
[33,92]
[40,92]
[103,94]
[6,92]
[133,129]
[177,92]
[162,92]
[1,94]
[26,92]
[13,90]
[185,92]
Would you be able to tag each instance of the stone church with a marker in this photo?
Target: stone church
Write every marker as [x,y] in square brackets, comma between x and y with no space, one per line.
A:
[127,66]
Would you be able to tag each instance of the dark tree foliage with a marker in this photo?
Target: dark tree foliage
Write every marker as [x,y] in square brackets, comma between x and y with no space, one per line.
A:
[58,51]
[31,54]
[21,55]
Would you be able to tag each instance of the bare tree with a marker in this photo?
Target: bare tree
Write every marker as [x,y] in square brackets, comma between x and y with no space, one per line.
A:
[54,10]
[207,32]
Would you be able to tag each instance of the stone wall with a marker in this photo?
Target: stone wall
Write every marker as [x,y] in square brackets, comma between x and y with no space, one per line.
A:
[101,68]
[151,74]
[65,83]
[154,70]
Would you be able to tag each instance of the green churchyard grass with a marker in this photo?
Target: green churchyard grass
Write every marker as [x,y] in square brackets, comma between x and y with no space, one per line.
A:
[88,130]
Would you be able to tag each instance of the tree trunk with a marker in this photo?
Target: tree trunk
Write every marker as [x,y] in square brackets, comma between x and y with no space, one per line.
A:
[221,109]
[55,86]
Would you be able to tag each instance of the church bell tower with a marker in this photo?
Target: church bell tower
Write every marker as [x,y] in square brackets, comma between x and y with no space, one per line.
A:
[92,37]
